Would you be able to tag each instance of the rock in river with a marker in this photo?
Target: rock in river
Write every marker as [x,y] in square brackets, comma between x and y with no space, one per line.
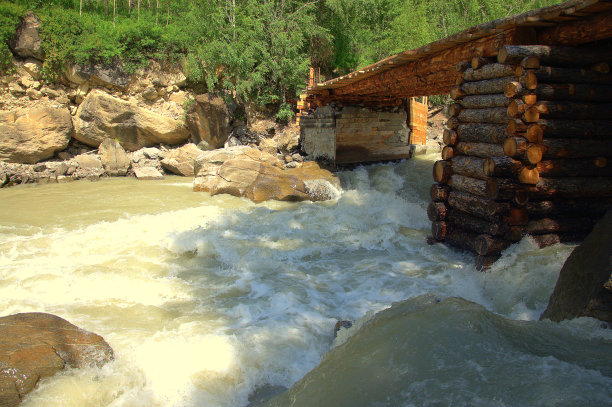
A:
[37,345]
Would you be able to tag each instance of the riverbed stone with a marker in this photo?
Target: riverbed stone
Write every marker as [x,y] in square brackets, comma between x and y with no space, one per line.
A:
[181,161]
[247,172]
[114,158]
[148,173]
[34,135]
[102,116]
[34,346]
[584,287]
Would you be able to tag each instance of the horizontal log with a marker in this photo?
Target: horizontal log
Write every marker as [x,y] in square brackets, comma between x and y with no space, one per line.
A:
[442,171]
[516,126]
[551,55]
[484,263]
[470,185]
[496,115]
[482,150]
[487,86]
[486,244]
[479,62]
[461,239]
[575,128]
[553,148]
[475,224]
[484,101]
[554,238]
[520,149]
[463,66]
[576,92]
[478,206]
[450,137]
[502,167]
[439,192]
[489,71]
[569,208]
[530,62]
[517,108]
[439,229]
[437,211]
[586,167]
[555,74]
[574,187]
[573,110]
[454,109]
[549,225]
[448,152]
[528,80]
[453,123]
[482,133]
[468,166]
[515,89]
[504,189]
[529,175]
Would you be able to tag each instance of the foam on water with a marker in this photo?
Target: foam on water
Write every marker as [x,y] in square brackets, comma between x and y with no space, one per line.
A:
[207,299]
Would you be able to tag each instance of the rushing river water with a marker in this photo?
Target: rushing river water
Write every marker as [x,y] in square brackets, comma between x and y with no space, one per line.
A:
[216,301]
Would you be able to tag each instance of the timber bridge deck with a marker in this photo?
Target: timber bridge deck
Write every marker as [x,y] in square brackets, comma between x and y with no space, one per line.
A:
[528,147]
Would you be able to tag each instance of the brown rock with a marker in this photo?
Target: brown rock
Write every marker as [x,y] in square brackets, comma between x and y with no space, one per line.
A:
[584,286]
[27,41]
[181,160]
[114,158]
[148,173]
[254,174]
[102,116]
[208,120]
[34,346]
[34,136]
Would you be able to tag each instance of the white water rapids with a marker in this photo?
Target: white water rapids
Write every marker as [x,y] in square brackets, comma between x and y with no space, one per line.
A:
[208,301]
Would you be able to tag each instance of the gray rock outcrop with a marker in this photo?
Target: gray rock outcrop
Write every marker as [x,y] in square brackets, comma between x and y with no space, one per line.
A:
[208,120]
[102,116]
[34,136]
[114,158]
[98,75]
[27,41]
[584,287]
[34,346]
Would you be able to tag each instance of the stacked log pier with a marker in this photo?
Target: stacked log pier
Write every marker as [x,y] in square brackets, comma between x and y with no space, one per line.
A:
[528,150]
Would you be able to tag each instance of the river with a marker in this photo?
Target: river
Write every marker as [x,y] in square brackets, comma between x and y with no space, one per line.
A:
[217,301]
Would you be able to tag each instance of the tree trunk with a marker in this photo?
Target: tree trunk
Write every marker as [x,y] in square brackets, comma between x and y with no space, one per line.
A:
[575,187]
[487,86]
[529,176]
[468,166]
[486,244]
[439,229]
[437,211]
[482,133]
[583,111]
[479,62]
[470,185]
[555,74]
[482,150]
[575,128]
[503,189]
[489,71]
[575,148]
[461,239]
[551,55]
[442,171]
[574,168]
[484,101]
[502,167]
[498,115]
[475,224]
[439,193]
[576,92]
[519,148]
[478,206]
[569,208]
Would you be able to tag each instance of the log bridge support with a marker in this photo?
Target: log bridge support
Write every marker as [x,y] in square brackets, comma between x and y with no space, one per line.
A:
[528,146]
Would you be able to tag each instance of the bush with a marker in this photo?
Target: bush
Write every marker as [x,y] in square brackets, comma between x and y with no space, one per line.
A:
[285,113]
[9,19]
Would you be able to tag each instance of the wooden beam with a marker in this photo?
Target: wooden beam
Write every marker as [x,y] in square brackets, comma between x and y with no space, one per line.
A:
[584,30]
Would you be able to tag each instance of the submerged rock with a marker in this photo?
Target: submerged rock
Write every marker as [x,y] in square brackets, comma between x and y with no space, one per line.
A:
[584,287]
[102,116]
[34,135]
[34,346]
[254,174]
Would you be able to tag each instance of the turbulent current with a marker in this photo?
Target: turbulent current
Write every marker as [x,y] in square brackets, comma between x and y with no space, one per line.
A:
[217,301]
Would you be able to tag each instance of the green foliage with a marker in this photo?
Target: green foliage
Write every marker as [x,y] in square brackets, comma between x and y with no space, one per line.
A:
[9,18]
[285,113]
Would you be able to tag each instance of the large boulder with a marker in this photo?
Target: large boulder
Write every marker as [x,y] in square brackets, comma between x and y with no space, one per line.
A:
[34,135]
[584,287]
[102,116]
[181,161]
[27,41]
[114,158]
[99,75]
[34,346]
[208,120]
[254,174]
